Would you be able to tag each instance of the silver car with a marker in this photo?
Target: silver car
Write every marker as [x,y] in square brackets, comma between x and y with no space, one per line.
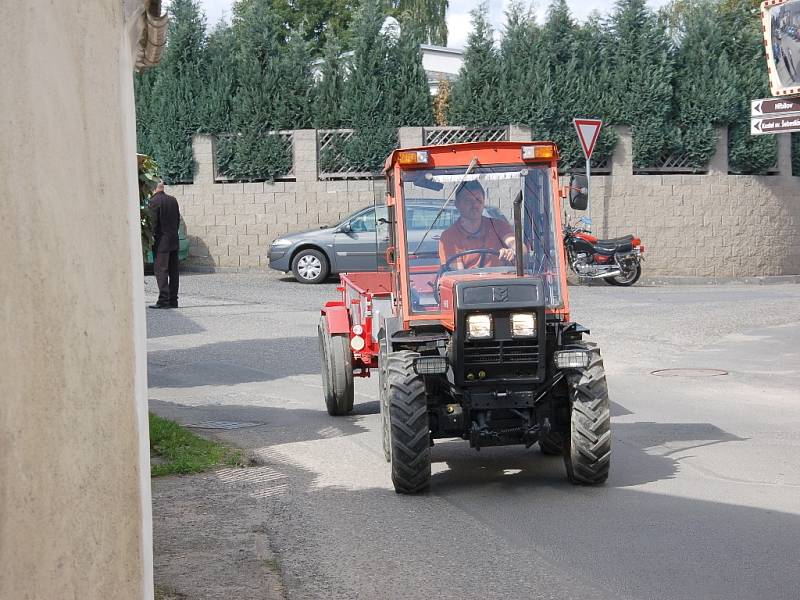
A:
[359,241]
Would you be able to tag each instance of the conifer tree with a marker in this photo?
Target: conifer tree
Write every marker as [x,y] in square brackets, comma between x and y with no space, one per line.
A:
[643,72]
[593,87]
[274,82]
[143,94]
[476,94]
[328,96]
[368,105]
[428,16]
[704,91]
[174,117]
[518,64]
[406,74]
[742,41]
[220,85]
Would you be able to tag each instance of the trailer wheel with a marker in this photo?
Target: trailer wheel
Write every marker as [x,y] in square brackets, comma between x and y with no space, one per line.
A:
[408,418]
[552,444]
[383,398]
[588,453]
[337,370]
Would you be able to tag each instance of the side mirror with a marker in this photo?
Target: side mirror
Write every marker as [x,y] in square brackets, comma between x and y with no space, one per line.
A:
[345,228]
[578,192]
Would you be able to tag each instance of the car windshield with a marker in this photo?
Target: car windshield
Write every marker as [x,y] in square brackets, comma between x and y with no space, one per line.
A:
[464,222]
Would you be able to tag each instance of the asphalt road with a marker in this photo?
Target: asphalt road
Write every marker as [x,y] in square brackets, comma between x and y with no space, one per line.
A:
[703,500]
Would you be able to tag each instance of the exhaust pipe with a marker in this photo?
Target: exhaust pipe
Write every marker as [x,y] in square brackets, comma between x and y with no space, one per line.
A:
[604,274]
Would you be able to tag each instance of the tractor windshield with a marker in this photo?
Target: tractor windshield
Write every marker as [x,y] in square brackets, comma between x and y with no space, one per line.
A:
[462,220]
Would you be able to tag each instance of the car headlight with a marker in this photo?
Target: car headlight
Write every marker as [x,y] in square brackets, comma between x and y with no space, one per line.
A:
[523,325]
[479,327]
[281,243]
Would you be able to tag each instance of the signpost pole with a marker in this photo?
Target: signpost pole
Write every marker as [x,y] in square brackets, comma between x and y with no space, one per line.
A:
[588,189]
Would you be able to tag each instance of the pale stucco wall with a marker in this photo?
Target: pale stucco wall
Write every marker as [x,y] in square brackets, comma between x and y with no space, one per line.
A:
[74,484]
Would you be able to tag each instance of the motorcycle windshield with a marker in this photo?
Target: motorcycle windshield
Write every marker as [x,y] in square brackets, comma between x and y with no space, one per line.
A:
[462,220]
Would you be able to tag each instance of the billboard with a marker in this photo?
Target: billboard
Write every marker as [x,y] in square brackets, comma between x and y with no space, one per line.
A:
[781,21]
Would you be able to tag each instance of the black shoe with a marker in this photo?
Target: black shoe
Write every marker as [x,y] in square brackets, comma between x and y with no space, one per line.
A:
[158,306]
[173,305]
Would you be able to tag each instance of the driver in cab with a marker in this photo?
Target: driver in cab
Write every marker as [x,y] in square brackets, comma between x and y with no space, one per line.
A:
[473,231]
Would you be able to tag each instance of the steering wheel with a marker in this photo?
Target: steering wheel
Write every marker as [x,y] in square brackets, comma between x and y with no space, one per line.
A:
[447,266]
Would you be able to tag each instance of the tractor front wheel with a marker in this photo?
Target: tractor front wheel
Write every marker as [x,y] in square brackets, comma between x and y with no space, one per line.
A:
[408,421]
[588,453]
[383,398]
[552,444]
[337,370]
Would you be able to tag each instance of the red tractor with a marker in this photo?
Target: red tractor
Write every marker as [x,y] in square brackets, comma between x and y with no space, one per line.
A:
[469,324]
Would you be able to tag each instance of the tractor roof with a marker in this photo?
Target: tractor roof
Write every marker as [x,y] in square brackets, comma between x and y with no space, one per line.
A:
[450,155]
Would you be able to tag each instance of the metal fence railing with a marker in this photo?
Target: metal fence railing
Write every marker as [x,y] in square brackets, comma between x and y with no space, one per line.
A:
[226,154]
[679,162]
[456,135]
[333,163]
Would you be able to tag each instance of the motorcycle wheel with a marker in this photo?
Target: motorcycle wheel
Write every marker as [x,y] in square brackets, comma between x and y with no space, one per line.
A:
[626,278]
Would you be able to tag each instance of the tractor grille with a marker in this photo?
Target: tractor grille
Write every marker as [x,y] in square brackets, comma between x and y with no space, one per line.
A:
[492,352]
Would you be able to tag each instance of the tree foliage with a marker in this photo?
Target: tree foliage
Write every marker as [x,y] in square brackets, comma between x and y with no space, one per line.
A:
[427,16]
[476,99]
[674,77]
[172,117]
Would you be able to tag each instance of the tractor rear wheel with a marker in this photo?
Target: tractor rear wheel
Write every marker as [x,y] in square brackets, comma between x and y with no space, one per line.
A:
[588,453]
[337,370]
[409,427]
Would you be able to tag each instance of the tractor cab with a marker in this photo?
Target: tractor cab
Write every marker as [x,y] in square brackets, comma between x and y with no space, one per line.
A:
[454,212]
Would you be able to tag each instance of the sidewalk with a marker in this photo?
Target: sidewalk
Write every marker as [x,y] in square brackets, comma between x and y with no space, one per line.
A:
[209,538]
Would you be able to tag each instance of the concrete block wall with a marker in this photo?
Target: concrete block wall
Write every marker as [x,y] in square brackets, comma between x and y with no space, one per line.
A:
[714,225]
[710,226]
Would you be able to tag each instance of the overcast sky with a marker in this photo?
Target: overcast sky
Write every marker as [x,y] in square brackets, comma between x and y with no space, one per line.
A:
[458,19]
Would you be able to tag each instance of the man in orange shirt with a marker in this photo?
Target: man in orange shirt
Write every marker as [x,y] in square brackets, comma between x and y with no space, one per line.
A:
[473,231]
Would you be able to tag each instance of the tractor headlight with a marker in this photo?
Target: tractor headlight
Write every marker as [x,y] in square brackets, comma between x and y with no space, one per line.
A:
[479,327]
[572,359]
[523,325]
[429,365]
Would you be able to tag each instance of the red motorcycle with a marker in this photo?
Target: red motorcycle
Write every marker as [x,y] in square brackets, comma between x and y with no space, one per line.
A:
[618,261]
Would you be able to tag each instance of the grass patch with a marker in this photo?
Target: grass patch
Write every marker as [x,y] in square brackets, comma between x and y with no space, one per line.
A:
[182,452]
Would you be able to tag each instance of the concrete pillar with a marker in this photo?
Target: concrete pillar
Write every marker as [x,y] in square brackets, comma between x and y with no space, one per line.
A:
[719,162]
[622,159]
[204,150]
[305,154]
[410,137]
[784,154]
[519,133]
[75,505]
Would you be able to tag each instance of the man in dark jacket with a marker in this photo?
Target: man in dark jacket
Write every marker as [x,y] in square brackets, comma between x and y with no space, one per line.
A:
[166,219]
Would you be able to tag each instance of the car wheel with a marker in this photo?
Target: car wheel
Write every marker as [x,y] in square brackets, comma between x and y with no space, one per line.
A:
[310,266]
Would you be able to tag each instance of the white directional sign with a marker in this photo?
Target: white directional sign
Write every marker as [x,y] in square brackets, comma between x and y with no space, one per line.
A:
[588,130]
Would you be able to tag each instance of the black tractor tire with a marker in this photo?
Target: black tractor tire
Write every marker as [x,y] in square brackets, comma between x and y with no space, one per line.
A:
[626,279]
[552,444]
[587,456]
[310,266]
[337,370]
[383,398]
[408,419]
